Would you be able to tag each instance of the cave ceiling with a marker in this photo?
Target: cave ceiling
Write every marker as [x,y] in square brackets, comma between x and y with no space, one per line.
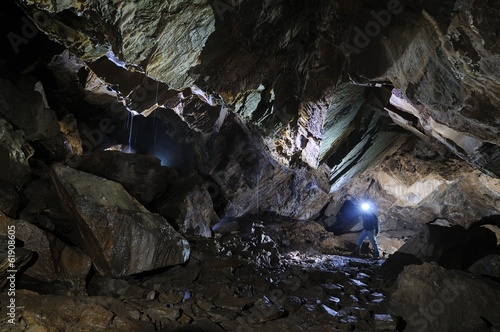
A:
[327,85]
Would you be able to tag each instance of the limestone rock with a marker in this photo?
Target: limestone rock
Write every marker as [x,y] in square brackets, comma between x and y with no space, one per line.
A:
[385,322]
[107,286]
[434,73]
[454,54]
[305,235]
[246,180]
[67,144]
[256,247]
[414,186]
[118,233]
[41,198]
[14,155]
[69,128]
[305,117]
[431,298]
[71,265]
[142,176]
[34,239]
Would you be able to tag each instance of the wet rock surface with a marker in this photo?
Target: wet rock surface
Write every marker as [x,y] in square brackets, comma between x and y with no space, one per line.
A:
[226,286]
[274,116]
[189,207]
[265,277]
[118,233]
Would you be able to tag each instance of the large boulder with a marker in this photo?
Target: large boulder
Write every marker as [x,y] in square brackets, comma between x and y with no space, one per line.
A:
[431,298]
[117,232]
[142,176]
[14,155]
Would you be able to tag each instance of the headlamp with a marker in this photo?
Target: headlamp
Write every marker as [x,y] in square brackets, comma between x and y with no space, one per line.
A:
[366,206]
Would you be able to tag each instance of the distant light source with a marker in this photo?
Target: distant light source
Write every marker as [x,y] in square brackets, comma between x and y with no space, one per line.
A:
[366,206]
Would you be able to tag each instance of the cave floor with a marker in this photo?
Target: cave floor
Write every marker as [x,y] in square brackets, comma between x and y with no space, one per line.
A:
[228,284]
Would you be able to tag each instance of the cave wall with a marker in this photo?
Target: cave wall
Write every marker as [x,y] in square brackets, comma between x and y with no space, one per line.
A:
[132,133]
[412,187]
[238,57]
[443,61]
[275,108]
[283,69]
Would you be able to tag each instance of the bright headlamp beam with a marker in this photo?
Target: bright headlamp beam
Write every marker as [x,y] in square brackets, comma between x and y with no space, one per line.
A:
[365,206]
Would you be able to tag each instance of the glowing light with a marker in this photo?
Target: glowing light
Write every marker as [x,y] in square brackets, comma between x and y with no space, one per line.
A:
[164,156]
[366,206]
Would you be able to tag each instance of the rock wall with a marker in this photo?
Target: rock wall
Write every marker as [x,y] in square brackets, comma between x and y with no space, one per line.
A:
[412,187]
[234,59]
[443,63]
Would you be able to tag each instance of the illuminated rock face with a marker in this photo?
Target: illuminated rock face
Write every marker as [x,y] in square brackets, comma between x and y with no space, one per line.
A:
[274,114]
[312,84]
[119,235]
[280,107]
[412,187]
[445,75]
[163,38]
[285,86]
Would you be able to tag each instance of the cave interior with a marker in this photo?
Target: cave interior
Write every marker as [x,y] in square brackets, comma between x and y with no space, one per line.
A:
[210,165]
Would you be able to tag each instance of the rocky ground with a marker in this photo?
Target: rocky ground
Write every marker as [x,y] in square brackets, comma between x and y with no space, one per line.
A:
[230,283]
[274,276]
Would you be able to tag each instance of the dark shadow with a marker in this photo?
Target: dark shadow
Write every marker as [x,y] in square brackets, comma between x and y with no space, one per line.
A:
[346,219]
